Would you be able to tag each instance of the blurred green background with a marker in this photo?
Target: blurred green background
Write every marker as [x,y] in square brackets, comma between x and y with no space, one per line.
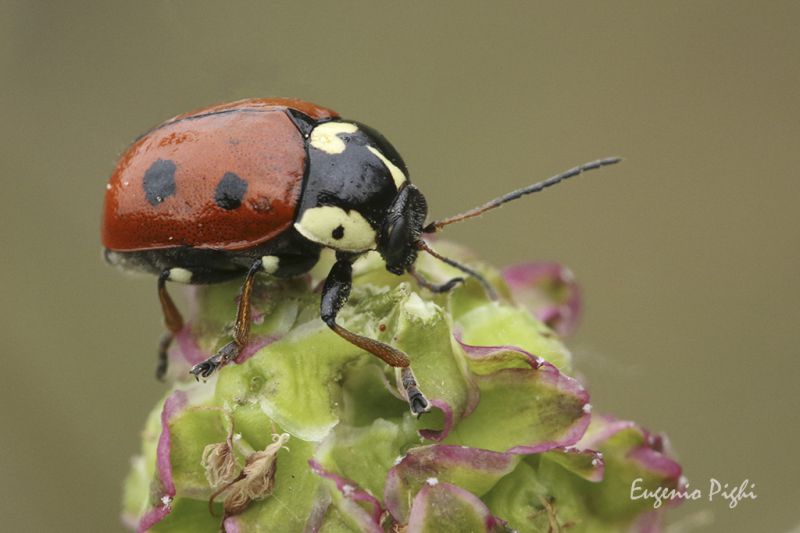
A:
[688,252]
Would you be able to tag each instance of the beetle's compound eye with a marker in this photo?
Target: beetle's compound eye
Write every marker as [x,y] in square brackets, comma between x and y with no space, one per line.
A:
[397,236]
[336,228]
[397,245]
[401,230]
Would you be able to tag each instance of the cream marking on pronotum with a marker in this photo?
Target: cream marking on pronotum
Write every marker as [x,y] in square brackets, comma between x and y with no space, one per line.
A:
[180,275]
[397,174]
[270,264]
[325,136]
[337,228]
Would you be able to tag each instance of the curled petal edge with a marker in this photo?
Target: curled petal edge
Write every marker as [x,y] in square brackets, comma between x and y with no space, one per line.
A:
[550,375]
[419,507]
[353,493]
[562,316]
[173,405]
[426,464]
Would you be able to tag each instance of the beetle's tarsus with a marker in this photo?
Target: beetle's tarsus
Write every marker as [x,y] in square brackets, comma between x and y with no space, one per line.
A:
[225,354]
[417,401]
[241,330]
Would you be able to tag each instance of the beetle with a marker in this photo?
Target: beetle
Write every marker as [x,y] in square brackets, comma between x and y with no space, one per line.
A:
[262,186]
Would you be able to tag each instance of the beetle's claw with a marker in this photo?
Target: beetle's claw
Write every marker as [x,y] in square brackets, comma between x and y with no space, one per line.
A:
[229,352]
[419,404]
[206,368]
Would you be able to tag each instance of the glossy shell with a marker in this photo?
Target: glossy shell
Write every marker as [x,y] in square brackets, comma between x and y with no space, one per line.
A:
[226,177]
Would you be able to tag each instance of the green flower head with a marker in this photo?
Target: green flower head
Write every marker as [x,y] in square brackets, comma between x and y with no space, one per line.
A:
[306,432]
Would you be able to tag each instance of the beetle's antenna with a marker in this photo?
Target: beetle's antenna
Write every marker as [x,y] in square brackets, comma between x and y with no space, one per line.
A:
[422,245]
[530,189]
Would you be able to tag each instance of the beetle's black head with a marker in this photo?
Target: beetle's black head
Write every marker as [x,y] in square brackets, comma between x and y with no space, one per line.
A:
[402,226]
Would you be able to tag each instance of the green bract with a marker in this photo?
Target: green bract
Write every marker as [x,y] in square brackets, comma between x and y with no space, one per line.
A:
[309,433]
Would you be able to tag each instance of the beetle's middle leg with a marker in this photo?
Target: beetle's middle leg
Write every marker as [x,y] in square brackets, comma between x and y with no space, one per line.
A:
[335,293]
[241,329]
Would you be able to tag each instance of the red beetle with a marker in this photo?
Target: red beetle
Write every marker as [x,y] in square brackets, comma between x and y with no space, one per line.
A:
[262,185]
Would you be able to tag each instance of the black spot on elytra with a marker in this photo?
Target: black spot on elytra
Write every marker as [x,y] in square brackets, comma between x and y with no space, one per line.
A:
[159,181]
[338,232]
[230,191]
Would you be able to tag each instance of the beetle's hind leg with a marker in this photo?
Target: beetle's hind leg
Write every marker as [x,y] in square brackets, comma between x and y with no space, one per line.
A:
[241,329]
[335,293]
[172,316]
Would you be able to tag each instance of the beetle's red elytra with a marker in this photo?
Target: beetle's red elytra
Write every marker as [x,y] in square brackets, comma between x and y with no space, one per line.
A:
[225,177]
[262,186]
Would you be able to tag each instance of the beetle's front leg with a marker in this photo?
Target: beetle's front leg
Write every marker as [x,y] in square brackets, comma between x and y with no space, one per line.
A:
[241,330]
[335,293]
